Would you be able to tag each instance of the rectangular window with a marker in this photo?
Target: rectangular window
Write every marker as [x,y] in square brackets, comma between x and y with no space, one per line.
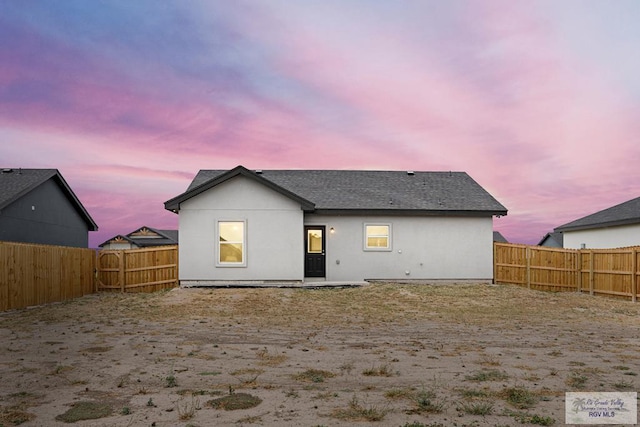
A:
[314,241]
[231,243]
[377,237]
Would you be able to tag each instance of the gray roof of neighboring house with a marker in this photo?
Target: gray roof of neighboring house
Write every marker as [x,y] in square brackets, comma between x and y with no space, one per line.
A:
[499,238]
[330,191]
[623,214]
[15,183]
[162,238]
[555,236]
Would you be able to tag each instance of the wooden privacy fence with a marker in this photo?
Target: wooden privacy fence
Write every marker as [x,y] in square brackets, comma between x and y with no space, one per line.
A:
[613,272]
[40,274]
[138,270]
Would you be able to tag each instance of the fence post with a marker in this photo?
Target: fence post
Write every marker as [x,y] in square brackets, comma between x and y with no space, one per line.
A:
[495,267]
[528,256]
[579,270]
[591,274]
[121,265]
[634,274]
[96,265]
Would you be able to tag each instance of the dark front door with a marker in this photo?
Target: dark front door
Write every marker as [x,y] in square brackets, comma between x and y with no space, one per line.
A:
[314,258]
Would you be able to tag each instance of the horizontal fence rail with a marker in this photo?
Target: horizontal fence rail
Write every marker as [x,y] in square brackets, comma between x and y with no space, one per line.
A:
[612,272]
[40,274]
[138,270]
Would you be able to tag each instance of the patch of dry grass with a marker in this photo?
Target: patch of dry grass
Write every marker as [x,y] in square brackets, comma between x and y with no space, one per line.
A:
[235,401]
[269,359]
[376,304]
[314,375]
[86,410]
[355,411]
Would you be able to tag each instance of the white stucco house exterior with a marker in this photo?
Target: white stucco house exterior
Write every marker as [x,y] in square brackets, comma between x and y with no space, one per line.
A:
[244,226]
[614,227]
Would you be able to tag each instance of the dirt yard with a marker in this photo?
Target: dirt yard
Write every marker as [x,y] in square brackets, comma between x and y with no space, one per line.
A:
[384,354]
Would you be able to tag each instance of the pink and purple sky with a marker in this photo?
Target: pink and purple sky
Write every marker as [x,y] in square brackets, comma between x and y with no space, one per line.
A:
[539,101]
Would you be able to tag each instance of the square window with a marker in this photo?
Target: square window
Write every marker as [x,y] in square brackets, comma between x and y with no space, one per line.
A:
[377,237]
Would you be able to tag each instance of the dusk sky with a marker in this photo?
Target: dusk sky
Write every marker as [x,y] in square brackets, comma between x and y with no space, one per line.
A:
[539,101]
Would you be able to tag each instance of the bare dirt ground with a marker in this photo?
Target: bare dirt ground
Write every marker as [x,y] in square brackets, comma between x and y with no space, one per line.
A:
[384,354]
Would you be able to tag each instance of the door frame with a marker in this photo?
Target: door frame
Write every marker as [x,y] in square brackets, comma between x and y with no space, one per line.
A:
[321,273]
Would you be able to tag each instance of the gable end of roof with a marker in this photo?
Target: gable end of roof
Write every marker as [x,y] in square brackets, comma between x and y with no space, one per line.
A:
[30,179]
[174,204]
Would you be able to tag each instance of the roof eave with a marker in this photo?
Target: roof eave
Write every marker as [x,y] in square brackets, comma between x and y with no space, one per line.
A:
[564,228]
[90,222]
[410,212]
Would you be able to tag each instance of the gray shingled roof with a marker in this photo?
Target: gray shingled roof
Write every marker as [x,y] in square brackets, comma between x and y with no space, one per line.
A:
[623,214]
[167,237]
[499,238]
[555,236]
[15,183]
[352,190]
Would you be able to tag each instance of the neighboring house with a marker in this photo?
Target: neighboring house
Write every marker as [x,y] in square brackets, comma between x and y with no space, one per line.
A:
[143,237]
[38,206]
[615,227]
[552,240]
[499,238]
[334,225]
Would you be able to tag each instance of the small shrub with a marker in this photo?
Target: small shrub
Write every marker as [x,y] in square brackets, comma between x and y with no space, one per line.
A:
[379,371]
[487,375]
[477,408]
[170,381]
[314,375]
[525,418]
[426,401]
[577,380]
[356,412]
[187,410]
[520,397]
[471,394]
[400,393]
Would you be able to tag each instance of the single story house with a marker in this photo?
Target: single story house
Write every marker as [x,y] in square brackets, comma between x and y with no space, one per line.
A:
[143,237]
[263,226]
[554,239]
[38,206]
[614,227]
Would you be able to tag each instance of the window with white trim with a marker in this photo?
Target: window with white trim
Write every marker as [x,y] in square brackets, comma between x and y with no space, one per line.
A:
[232,239]
[377,237]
